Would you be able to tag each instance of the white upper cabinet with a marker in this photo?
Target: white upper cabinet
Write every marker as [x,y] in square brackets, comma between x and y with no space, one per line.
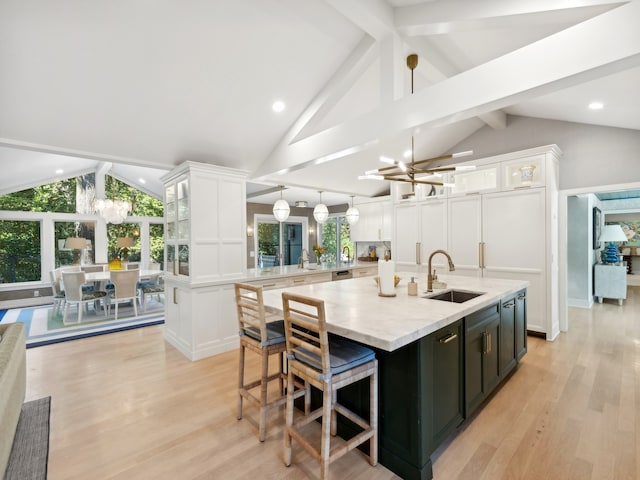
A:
[374,224]
[483,179]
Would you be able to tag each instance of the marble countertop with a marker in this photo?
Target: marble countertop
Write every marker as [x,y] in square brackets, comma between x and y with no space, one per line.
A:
[354,309]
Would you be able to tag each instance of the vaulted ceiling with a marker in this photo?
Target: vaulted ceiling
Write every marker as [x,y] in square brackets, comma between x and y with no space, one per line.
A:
[152,84]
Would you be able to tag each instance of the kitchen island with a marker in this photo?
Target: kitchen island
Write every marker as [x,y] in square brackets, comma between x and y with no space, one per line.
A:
[438,360]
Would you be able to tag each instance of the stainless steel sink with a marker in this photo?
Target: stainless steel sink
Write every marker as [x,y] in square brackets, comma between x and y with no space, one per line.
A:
[455,296]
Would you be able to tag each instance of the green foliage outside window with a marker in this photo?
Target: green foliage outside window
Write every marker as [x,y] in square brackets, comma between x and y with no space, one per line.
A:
[19,251]
[336,234]
[20,240]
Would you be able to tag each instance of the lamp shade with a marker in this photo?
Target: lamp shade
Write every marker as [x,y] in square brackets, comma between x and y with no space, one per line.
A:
[75,243]
[612,233]
[124,242]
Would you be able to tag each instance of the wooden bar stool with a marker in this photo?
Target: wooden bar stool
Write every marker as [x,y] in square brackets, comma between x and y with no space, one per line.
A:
[265,339]
[329,363]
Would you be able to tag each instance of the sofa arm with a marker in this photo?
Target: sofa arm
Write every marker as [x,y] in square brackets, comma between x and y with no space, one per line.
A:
[13,384]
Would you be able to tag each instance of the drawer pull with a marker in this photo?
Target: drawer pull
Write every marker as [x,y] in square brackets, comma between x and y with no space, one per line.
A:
[510,304]
[298,281]
[175,295]
[449,338]
[268,285]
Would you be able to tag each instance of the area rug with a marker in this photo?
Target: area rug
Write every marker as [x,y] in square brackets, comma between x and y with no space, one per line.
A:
[43,324]
[30,452]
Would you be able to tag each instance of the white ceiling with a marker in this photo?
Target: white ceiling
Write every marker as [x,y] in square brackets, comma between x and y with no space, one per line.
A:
[151,84]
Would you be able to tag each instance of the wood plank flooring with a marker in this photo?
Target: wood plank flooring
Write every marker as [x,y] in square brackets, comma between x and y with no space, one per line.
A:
[129,406]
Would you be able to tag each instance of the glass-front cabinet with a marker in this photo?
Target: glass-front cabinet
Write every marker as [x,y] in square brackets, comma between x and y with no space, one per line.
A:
[526,172]
[177,227]
[481,179]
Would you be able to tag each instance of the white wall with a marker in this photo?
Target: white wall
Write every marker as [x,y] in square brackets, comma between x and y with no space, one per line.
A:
[578,240]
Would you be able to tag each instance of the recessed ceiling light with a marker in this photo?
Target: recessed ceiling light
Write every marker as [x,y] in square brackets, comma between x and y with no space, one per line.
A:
[278,106]
[596,105]
[59,171]
[142,181]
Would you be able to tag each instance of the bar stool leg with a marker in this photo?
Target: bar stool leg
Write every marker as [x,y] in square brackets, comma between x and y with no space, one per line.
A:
[264,384]
[373,418]
[327,415]
[240,380]
[289,419]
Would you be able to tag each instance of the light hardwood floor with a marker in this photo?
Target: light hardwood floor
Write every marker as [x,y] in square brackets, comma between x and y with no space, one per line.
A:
[129,406]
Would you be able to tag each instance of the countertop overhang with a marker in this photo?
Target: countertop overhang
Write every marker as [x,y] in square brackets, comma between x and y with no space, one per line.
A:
[354,310]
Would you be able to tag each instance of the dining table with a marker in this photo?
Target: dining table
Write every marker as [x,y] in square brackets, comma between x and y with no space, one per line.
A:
[100,279]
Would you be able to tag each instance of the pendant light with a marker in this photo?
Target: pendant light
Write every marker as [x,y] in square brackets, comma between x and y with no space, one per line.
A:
[281,208]
[419,172]
[353,214]
[321,212]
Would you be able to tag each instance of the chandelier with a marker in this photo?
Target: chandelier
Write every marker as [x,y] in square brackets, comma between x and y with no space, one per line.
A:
[415,172]
[113,211]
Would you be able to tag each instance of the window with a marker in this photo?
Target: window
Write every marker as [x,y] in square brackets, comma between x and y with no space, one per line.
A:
[20,251]
[335,236]
[64,230]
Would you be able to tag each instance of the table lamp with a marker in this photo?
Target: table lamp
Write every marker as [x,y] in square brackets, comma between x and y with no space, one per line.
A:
[612,234]
[76,244]
[125,243]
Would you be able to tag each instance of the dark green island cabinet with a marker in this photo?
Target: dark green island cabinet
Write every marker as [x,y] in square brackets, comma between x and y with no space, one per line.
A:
[428,387]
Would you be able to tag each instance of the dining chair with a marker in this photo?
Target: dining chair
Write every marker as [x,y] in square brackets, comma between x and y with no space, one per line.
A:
[73,283]
[58,292]
[327,362]
[125,289]
[265,339]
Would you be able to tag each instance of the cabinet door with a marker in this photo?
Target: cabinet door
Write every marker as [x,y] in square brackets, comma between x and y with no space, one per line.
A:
[465,234]
[433,231]
[444,371]
[507,351]
[514,235]
[481,367]
[521,324]
[405,241]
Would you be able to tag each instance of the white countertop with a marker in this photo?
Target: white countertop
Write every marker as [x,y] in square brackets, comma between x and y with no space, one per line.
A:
[354,309]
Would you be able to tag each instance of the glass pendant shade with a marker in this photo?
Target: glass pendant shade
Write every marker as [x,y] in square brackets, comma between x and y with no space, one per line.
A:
[281,210]
[353,214]
[321,212]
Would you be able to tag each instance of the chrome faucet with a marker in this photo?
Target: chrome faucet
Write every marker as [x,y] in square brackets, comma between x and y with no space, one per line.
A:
[348,253]
[302,257]
[430,276]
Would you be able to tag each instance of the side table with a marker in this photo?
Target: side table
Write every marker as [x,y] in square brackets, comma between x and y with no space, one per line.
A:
[610,282]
